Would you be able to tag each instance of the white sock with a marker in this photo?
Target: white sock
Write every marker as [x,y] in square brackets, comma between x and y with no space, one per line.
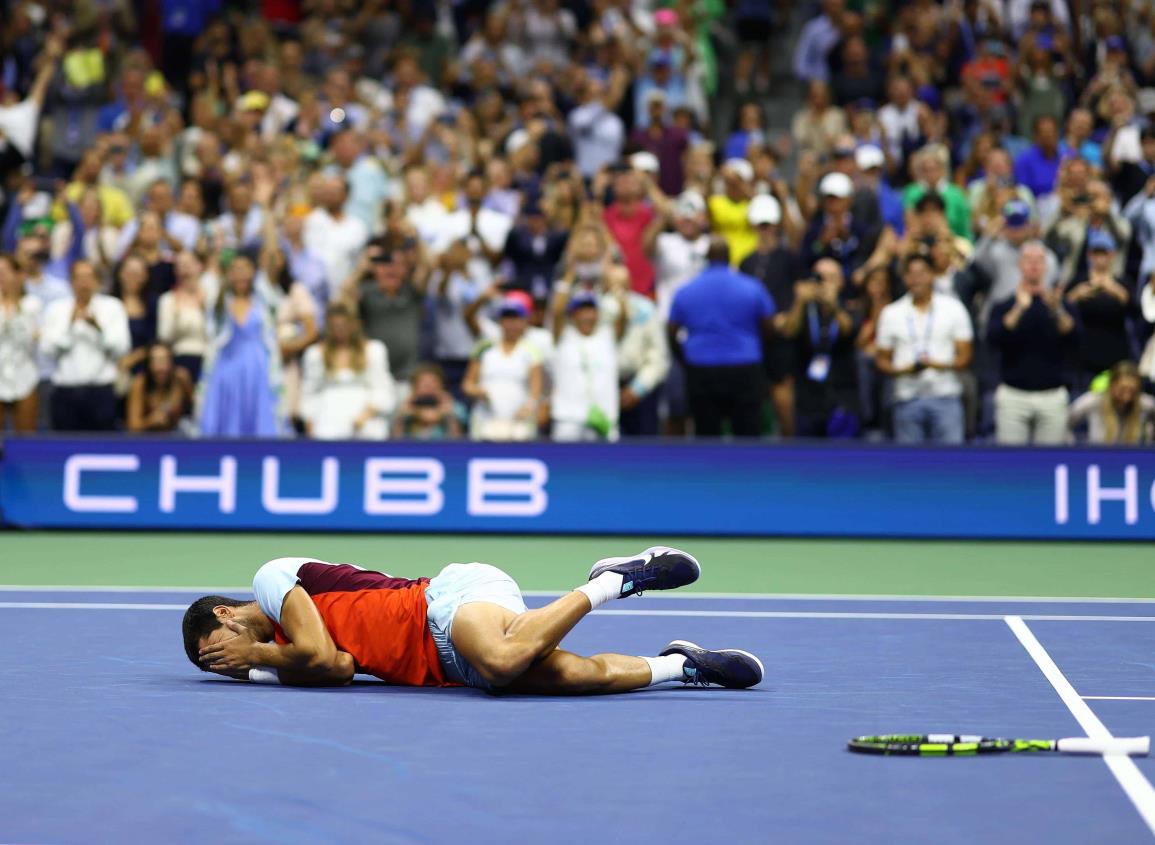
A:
[663,669]
[606,587]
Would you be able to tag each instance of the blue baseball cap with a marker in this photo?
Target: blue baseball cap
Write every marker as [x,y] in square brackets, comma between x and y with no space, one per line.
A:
[1016,213]
[582,299]
[930,96]
[1100,239]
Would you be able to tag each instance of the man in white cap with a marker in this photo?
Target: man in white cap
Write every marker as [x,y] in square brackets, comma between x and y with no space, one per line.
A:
[836,232]
[679,256]
[871,163]
[728,210]
[775,265]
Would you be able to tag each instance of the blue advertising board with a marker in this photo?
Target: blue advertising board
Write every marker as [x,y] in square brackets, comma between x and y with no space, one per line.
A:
[650,488]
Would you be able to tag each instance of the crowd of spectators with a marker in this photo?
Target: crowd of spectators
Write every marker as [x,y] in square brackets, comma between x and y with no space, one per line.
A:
[579,219]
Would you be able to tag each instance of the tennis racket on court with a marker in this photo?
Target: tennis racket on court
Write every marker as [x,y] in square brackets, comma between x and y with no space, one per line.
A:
[950,745]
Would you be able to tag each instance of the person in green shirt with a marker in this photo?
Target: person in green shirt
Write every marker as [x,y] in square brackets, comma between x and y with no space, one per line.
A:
[930,170]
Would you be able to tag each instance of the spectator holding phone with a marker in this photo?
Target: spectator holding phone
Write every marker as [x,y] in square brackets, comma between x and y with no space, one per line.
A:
[161,395]
[429,412]
[923,340]
[825,337]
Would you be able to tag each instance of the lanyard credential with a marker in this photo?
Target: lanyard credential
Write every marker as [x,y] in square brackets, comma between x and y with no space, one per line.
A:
[816,331]
[925,349]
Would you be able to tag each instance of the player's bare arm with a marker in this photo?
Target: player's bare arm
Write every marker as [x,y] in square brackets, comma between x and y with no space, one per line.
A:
[311,658]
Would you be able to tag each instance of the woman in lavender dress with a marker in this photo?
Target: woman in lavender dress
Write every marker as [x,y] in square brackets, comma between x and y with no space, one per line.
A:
[242,374]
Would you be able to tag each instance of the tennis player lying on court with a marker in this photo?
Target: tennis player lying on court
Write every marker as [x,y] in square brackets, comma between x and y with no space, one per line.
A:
[316,624]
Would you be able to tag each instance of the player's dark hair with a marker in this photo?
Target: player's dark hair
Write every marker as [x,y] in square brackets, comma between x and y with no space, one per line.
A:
[200,621]
[916,258]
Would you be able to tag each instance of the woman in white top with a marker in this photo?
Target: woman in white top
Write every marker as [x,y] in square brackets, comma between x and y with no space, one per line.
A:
[1122,414]
[181,314]
[346,388]
[504,379]
[19,332]
[585,368]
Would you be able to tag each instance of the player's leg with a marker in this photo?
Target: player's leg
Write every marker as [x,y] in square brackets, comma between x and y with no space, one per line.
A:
[564,673]
[493,633]
[501,644]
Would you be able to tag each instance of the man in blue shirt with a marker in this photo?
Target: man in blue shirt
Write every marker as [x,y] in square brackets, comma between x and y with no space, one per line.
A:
[717,325]
[815,42]
[1038,166]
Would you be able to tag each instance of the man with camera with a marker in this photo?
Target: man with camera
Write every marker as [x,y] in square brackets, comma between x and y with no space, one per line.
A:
[823,334]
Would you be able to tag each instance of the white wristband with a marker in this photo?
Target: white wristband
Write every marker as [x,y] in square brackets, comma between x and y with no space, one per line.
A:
[264,675]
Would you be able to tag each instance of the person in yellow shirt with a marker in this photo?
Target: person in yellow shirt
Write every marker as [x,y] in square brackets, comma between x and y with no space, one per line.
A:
[729,209]
[115,205]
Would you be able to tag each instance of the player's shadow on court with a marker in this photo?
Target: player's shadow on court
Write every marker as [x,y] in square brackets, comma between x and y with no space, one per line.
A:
[373,687]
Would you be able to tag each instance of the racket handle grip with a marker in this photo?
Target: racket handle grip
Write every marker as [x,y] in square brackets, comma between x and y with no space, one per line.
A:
[1135,746]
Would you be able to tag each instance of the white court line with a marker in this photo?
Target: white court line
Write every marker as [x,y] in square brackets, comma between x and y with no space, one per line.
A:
[78,588]
[723,614]
[821,614]
[1118,698]
[881,597]
[1137,787]
[80,605]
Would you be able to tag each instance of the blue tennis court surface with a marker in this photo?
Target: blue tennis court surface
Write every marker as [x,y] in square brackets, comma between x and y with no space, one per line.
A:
[110,735]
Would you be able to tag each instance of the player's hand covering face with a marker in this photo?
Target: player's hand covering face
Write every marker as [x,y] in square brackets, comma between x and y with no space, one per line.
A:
[229,650]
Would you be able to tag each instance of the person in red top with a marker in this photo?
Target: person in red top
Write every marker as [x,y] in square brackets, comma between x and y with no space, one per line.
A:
[314,623]
[628,218]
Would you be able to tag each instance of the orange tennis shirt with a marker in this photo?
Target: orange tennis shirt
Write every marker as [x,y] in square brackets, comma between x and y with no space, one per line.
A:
[381,621]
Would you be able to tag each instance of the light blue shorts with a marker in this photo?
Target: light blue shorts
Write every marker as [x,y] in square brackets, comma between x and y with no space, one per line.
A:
[453,586]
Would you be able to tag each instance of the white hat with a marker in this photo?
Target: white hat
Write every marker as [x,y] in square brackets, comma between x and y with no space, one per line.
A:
[836,185]
[644,161]
[868,157]
[516,141]
[40,205]
[741,168]
[1146,100]
[764,209]
[689,204]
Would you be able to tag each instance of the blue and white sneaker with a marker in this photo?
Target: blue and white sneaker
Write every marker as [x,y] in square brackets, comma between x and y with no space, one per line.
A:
[727,667]
[657,568]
